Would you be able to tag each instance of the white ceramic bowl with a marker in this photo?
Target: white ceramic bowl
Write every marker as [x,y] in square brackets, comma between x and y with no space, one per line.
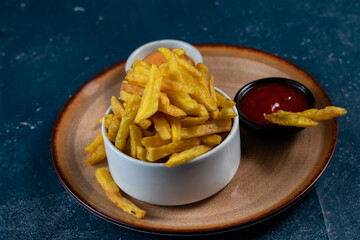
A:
[144,50]
[186,183]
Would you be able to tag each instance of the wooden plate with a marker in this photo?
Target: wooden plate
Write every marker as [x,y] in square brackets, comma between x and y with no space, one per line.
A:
[272,174]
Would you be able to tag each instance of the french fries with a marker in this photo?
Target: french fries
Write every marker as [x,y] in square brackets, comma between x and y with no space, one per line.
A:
[112,191]
[169,113]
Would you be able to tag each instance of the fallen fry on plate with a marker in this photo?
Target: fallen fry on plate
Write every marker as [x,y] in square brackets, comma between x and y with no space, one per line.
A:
[96,156]
[97,141]
[112,191]
[305,118]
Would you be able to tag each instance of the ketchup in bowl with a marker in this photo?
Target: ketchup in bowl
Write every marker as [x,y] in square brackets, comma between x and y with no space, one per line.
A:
[268,95]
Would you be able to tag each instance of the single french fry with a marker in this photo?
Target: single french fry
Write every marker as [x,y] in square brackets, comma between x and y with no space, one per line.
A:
[191,69]
[183,101]
[154,141]
[135,139]
[175,124]
[155,153]
[132,88]
[223,101]
[129,115]
[179,52]
[113,129]
[201,111]
[141,153]
[212,139]
[127,148]
[171,110]
[226,113]
[164,69]
[141,63]
[147,133]
[150,100]
[174,71]
[145,124]
[112,191]
[162,126]
[116,107]
[204,71]
[108,120]
[166,85]
[141,70]
[323,114]
[96,156]
[290,119]
[206,129]
[211,87]
[192,121]
[214,115]
[95,143]
[186,155]
[200,92]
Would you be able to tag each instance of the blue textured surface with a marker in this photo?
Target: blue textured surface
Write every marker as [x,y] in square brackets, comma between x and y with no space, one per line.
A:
[49,49]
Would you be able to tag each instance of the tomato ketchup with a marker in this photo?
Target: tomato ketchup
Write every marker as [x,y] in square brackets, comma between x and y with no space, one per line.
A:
[270,97]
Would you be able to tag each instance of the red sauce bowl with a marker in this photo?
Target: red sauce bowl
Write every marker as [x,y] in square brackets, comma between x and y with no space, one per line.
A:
[268,95]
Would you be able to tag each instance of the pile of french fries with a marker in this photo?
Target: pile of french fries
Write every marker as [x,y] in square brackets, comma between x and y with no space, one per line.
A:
[169,113]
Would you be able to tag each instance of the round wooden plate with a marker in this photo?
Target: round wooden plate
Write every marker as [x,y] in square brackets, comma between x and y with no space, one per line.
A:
[272,174]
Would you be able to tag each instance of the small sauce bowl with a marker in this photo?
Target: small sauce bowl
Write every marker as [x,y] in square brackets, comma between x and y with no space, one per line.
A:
[151,47]
[268,95]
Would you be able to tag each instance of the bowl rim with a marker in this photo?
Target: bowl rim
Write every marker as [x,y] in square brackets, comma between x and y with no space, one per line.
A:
[150,47]
[291,82]
[231,135]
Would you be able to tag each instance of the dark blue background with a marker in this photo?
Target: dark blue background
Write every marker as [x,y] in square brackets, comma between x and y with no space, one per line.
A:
[48,49]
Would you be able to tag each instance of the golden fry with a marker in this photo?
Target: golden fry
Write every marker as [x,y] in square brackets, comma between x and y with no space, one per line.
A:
[323,114]
[166,85]
[179,52]
[129,115]
[154,141]
[227,113]
[135,139]
[155,153]
[193,121]
[204,71]
[108,120]
[187,66]
[290,119]
[131,88]
[113,129]
[212,139]
[162,126]
[174,71]
[223,101]
[96,156]
[150,100]
[112,191]
[145,124]
[183,101]
[186,155]
[175,124]
[206,129]
[171,110]
[97,141]
[211,87]
[141,63]
[141,153]
[116,107]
